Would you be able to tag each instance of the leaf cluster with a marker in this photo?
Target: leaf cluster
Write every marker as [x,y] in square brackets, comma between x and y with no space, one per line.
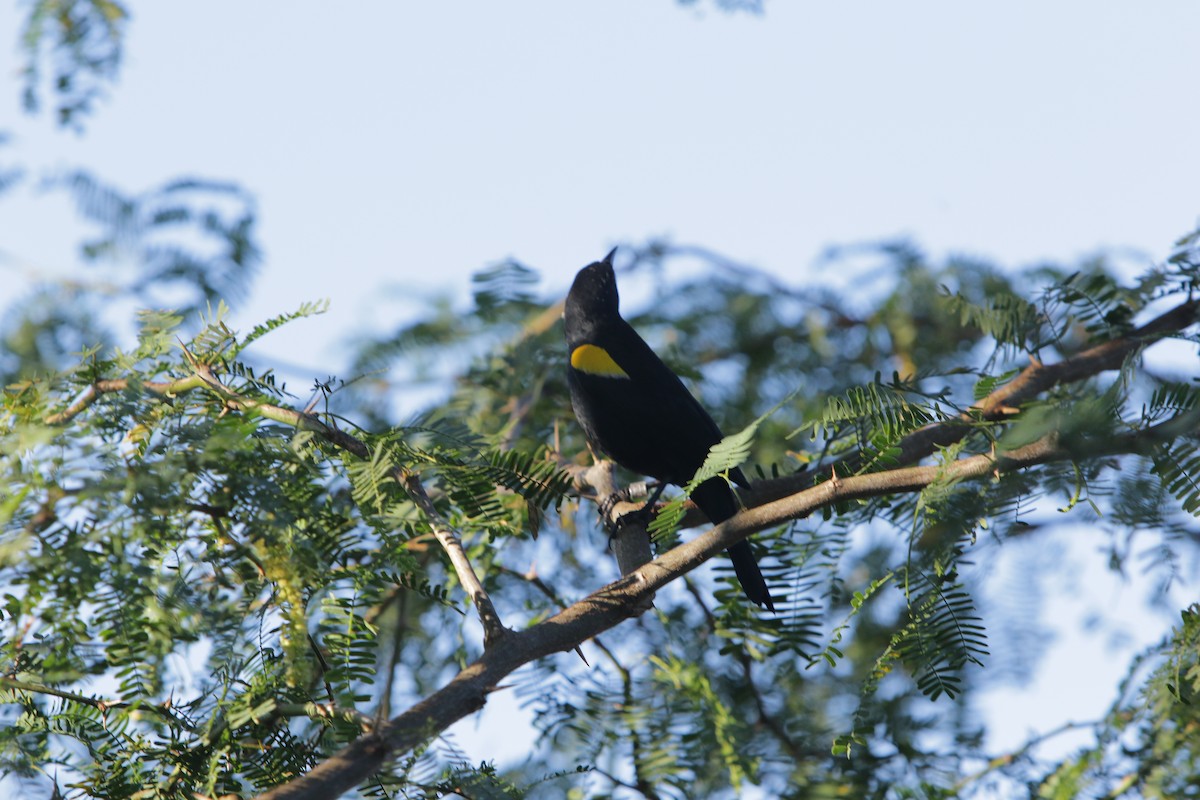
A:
[203,591]
[80,42]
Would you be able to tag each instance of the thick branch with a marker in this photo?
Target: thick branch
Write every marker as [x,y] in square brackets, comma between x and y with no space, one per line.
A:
[1038,377]
[468,691]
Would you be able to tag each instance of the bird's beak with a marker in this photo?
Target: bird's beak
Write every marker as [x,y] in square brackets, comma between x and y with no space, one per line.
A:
[608,258]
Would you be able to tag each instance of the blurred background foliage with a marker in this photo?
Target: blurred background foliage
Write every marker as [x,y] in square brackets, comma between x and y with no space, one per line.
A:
[196,599]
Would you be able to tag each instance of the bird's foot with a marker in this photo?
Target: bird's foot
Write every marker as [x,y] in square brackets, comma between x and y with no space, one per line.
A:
[627,495]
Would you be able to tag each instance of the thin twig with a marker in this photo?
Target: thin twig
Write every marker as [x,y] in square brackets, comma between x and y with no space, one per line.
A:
[327,711]
[1005,759]
[104,706]
[768,720]
[493,628]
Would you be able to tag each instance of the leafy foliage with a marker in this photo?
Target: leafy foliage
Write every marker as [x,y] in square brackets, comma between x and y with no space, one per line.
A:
[202,595]
[186,246]
[82,41]
[154,527]
[156,231]
[175,525]
[726,455]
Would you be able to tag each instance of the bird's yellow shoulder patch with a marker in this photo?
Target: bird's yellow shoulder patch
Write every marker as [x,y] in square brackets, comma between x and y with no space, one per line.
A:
[596,361]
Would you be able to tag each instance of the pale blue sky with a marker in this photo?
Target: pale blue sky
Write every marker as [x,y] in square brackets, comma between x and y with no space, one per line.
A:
[412,143]
[416,142]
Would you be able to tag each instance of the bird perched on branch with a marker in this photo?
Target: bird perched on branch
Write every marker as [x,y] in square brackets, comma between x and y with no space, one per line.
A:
[637,411]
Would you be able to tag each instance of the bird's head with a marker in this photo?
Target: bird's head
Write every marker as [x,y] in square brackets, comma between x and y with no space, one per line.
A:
[592,300]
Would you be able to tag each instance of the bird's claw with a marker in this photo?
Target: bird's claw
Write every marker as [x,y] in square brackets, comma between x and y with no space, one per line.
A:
[626,495]
[606,506]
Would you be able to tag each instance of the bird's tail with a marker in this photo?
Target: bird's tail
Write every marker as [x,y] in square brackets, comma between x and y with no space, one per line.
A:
[717,501]
[749,575]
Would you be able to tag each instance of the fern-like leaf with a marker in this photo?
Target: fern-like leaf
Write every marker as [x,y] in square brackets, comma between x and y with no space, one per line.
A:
[1178,467]
[723,457]
[1008,318]
[308,309]
[944,634]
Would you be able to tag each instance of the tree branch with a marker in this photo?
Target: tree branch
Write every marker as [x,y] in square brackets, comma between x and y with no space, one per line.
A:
[103,387]
[1001,404]
[468,691]
[493,628]
[1005,759]
[161,709]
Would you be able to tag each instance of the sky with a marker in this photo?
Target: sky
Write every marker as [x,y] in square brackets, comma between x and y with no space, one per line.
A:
[410,144]
[396,148]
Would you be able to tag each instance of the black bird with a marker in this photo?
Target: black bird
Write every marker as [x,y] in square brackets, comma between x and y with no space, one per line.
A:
[637,411]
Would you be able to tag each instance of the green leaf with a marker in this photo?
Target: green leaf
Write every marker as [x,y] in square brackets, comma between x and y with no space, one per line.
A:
[308,309]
